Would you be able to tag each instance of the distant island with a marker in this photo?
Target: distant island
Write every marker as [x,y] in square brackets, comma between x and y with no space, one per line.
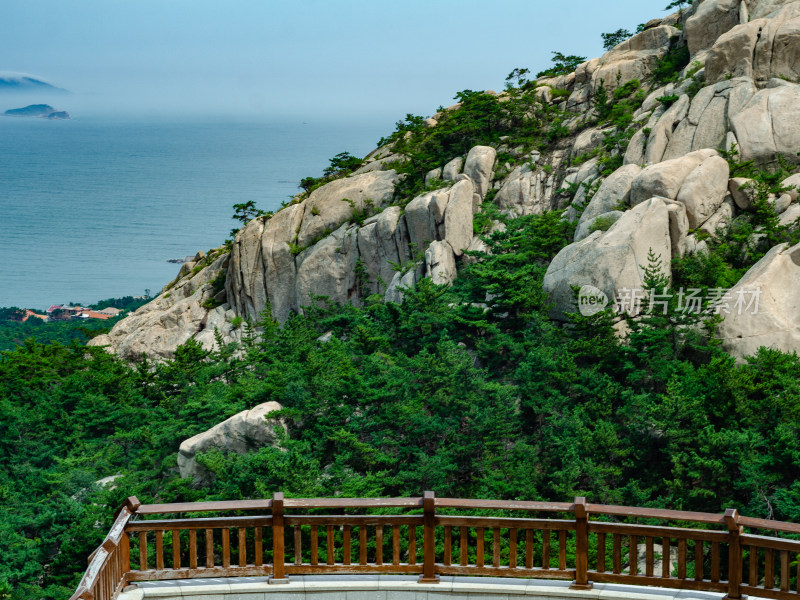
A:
[41,111]
[24,83]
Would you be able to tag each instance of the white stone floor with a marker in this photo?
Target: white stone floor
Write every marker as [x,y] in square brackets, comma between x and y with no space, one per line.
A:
[395,587]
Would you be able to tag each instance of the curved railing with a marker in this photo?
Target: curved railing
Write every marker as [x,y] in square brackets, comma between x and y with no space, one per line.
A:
[431,536]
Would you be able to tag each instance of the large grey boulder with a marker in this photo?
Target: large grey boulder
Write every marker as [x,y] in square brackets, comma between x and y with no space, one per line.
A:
[791,216]
[241,433]
[613,261]
[328,268]
[634,58]
[479,166]
[704,189]
[759,49]
[440,263]
[665,179]
[425,216]
[452,169]
[383,241]
[458,217]
[769,125]
[334,203]
[662,132]
[614,191]
[773,287]
[711,20]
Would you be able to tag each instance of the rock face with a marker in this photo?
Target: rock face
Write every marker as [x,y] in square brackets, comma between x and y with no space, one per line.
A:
[614,192]
[769,294]
[244,431]
[176,316]
[612,261]
[356,236]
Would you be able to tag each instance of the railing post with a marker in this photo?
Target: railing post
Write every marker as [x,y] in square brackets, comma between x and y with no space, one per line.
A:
[132,504]
[429,540]
[278,557]
[581,545]
[735,558]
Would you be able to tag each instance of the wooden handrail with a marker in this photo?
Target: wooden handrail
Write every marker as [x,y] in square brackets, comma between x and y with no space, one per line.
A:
[570,545]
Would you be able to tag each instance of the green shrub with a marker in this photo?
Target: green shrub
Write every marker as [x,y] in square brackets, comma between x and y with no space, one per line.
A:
[602,223]
[669,68]
[668,101]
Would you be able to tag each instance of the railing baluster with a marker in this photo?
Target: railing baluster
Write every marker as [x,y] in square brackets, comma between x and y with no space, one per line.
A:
[682,558]
[785,571]
[176,549]
[715,562]
[209,548]
[601,552]
[226,547]
[143,551]
[314,545]
[753,566]
[125,552]
[633,555]
[769,568]
[698,560]
[562,550]
[395,544]
[329,545]
[617,554]
[298,545]
[448,546]
[479,547]
[242,538]
[362,544]
[649,557]
[159,550]
[346,549]
[666,557]
[412,545]
[529,548]
[192,548]
[463,546]
[496,548]
[512,548]
[545,549]
[379,545]
[258,543]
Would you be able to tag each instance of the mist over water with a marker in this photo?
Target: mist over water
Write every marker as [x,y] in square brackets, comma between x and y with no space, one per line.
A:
[93,207]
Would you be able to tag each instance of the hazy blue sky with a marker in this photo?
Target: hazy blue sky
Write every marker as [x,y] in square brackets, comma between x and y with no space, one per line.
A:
[306,58]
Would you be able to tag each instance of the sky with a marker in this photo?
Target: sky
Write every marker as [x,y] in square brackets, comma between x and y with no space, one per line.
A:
[346,59]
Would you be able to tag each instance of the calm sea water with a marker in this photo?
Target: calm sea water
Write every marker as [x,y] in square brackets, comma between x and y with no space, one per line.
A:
[93,208]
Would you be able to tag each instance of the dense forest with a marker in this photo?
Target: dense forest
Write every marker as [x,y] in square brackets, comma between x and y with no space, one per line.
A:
[468,390]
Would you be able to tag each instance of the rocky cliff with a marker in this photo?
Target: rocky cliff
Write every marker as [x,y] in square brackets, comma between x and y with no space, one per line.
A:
[656,180]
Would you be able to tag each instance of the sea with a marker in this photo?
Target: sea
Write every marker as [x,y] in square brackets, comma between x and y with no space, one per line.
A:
[93,208]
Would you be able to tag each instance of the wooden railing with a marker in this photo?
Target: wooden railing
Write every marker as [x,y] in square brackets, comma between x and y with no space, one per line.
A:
[429,537]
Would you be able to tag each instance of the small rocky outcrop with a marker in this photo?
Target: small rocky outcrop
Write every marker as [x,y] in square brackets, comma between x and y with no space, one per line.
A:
[241,433]
[191,307]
